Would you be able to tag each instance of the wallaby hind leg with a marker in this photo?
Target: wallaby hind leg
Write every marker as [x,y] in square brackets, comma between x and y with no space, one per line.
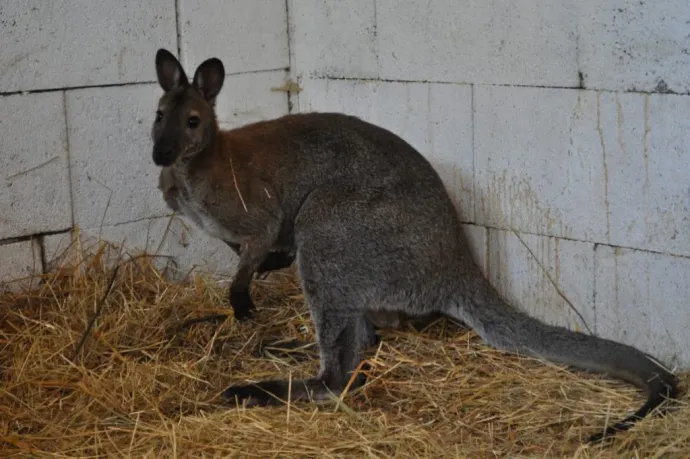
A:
[341,336]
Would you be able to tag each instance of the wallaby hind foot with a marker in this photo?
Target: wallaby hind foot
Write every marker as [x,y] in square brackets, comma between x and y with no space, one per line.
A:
[340,343]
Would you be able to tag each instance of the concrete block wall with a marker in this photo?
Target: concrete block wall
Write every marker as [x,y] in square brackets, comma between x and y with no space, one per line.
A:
[561,129]
[78,94]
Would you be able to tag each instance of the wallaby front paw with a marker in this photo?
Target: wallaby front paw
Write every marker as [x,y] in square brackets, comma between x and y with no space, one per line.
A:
[242,305]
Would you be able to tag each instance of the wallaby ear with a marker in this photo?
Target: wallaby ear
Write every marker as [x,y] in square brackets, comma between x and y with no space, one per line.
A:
[209,77]
[169,70]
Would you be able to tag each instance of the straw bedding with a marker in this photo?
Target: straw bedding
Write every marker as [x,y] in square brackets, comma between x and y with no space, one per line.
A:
[141,386]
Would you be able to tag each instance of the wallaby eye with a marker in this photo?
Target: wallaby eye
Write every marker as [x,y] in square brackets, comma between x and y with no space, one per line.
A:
[193,121]
[159,116]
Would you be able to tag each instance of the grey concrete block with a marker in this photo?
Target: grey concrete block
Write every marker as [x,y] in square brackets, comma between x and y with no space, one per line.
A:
[179,245]
[34,185]
[179,240]
[402,108]
[641,300]
[336,39]
[604,167]
[114,179]
[60,249]
[539,165]
[81,43]
[635,45]
[517,275]
[645,143]
[525,42]
[477,237]
[21,265]
[435,119]
[450,139]
[251,97]
[247,35]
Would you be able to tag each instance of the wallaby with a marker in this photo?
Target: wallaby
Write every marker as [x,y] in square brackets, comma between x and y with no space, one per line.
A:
[371,227]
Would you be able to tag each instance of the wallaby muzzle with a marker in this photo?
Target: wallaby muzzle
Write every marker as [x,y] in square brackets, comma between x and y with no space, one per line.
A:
[163,155]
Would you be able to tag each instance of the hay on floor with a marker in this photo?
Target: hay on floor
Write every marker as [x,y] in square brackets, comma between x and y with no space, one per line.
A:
[139,387]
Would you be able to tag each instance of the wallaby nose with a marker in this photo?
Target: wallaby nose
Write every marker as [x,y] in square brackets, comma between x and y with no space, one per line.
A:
[163,155]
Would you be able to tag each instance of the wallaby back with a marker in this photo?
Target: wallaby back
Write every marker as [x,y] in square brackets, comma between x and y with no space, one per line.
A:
[369,223]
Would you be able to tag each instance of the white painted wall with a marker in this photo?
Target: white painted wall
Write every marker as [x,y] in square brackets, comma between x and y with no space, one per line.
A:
[79,95]
[567,121]
[543,117]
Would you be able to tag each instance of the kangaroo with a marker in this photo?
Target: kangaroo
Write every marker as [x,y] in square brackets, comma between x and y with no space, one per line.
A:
[372,230]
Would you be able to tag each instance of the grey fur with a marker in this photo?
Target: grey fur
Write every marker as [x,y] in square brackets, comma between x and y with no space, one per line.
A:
[374,233]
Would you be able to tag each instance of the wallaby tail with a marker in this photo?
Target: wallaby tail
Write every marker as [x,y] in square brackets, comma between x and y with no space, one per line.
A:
[508,329]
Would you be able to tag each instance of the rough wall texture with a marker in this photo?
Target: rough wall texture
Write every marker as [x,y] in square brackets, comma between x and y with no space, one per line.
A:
[562,131]
[78,93]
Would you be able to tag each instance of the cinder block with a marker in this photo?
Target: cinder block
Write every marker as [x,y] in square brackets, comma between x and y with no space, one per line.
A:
[645,140]
[179,240]
[526,42]
[114,179]
[251,97]
[477,237]
[539,164]
[34,190]
[642,300]
[247,35]
[516,273]
[435,119]
[336,39]
[402,108]
[179,245]
[604,167]
[81,43]
[21,263]
[635,45]
[450,138]
[61,249]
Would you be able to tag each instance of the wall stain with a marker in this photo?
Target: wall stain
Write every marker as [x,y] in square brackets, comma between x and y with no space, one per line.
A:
[575,115]
[606,169]
[16,60]
[616,286]
[557,252]
[513,203]
[621,142]
[647,130]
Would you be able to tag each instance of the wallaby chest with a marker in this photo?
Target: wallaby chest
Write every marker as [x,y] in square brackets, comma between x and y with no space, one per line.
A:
[196,204]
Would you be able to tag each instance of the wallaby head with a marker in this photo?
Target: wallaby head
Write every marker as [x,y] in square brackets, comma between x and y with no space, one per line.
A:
[185,122]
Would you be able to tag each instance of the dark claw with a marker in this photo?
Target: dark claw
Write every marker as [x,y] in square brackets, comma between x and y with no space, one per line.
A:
[258,394]
[242,305]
